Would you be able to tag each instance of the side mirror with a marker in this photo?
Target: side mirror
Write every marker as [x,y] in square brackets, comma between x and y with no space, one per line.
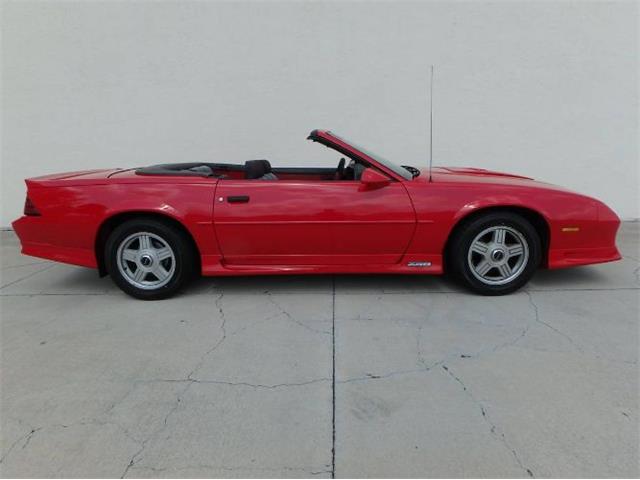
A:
[374,179]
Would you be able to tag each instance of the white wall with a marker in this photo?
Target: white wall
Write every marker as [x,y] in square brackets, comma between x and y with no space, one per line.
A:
[547,89]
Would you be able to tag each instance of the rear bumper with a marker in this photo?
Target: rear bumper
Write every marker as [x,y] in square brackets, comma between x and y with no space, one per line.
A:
[34,235]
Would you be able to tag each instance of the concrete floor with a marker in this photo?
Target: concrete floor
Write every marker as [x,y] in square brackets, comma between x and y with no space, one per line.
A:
[236,377]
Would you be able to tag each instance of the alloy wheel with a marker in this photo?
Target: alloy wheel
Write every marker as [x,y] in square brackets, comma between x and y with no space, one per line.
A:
[498,255]
[146,260]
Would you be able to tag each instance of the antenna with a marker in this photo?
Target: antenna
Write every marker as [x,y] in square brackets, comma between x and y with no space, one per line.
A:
[431,125]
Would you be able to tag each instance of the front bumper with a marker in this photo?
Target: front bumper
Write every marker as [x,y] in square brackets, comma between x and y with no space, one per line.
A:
[573,257]
[593,242]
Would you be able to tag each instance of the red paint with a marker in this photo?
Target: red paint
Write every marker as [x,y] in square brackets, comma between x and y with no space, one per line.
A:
[310,223]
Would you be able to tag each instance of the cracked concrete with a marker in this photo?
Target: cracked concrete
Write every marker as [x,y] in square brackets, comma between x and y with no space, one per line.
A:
[492,426]
[310,377]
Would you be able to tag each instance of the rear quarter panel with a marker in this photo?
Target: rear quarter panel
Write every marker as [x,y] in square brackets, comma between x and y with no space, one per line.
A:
[71,215]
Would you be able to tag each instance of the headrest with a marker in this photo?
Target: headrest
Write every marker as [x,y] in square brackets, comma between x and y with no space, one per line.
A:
[256,168]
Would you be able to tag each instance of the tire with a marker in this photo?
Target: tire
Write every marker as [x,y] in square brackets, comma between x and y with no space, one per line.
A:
[495,254]
[149,259]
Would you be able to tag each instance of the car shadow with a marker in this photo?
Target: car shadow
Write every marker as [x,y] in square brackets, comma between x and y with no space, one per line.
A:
[73,280]
[343,283]
[568,278]
[575,278]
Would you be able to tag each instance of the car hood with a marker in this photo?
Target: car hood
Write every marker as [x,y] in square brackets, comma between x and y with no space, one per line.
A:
[481,172]
[472,175]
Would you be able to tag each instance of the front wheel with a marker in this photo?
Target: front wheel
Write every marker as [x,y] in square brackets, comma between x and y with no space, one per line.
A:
[495,254]
[149,259]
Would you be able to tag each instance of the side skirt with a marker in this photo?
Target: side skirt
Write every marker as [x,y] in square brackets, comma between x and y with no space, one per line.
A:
[409,265]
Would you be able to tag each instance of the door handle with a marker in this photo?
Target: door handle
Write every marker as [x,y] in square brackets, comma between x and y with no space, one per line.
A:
[238,199]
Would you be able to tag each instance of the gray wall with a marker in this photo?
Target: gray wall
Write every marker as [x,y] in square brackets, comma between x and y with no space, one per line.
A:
[546,89]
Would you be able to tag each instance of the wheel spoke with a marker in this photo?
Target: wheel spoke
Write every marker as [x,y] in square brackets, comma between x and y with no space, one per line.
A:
[480,247]
[145,242]
[129,255]
[163,253]
[139,275]
[515,250]
[160,272]
[499,236]
[505,270]
[483,268]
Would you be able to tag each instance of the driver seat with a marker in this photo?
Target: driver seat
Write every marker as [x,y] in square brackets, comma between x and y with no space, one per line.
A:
[258,170]
[358,170]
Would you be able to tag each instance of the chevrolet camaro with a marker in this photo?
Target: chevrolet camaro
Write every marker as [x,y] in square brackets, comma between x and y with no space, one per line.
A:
[154,228]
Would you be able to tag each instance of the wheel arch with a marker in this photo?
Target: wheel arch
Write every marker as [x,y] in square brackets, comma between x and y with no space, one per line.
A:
[112,222]
[537,220]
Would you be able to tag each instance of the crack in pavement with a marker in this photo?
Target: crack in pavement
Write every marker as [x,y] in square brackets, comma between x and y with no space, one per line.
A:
[218,304]
[143,444]
[371,376]
[427,367]
[420,360]
[240,384]
[190,381]
[129,391]
[492,426]
[333,377]
[291,318]
[551,327]
[9,267]
[238,468]
[26,438]
[27,276]
[579,348]
[254,324]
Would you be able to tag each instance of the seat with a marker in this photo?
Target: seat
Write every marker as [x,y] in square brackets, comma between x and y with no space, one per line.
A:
[258,170]
[358,170]
[203,169]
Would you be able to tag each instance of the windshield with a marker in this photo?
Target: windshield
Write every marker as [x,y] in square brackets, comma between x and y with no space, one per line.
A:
[397,169]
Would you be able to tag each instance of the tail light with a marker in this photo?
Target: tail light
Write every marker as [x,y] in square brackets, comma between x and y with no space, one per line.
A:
[30,209]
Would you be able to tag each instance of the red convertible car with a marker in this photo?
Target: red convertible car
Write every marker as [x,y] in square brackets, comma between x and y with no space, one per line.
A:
[154,228]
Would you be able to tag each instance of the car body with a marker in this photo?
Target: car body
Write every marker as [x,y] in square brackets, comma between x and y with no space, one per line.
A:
[384,219]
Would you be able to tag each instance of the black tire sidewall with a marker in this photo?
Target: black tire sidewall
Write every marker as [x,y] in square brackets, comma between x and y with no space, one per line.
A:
[469,230]
[176,240]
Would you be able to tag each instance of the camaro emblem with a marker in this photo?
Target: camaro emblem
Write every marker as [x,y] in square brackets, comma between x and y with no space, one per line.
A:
[419,264]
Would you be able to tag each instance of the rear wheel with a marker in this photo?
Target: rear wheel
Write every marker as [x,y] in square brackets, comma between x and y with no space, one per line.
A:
[148,259]
[496,253]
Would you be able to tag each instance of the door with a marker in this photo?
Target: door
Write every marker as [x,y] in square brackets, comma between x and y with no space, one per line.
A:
[307,222]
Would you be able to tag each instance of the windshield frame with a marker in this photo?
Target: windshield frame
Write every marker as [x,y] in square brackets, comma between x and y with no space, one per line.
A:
[350,149]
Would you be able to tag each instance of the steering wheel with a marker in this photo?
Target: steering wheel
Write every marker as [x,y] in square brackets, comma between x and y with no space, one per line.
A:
[340,169]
